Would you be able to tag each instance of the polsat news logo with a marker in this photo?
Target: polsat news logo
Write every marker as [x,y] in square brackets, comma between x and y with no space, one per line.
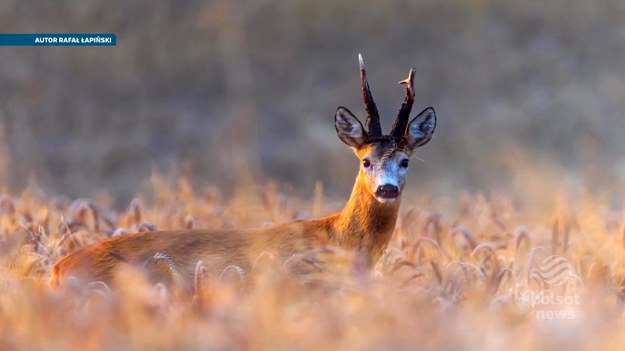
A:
[556,270]
[552,303]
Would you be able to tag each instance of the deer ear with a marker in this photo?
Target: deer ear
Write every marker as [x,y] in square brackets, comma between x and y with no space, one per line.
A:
[349,129]
[421,128]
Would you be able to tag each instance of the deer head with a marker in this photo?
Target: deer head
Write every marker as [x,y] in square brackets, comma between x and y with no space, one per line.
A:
[384,158]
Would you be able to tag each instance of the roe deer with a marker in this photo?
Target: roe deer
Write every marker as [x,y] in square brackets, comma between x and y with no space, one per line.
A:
[366,224]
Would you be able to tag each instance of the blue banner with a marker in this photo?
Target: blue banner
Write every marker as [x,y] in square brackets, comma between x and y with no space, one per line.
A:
[49,39]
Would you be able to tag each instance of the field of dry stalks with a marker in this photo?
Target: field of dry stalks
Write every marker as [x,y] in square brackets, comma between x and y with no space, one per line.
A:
[465,273]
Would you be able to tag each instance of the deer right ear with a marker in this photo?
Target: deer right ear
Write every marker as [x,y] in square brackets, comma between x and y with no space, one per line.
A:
[421,128]
[349,129]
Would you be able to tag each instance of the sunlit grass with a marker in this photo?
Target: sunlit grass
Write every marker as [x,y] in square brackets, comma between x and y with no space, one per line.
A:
[459,273]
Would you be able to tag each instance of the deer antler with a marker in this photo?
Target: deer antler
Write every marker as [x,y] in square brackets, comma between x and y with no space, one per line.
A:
[373,118]
[399,127]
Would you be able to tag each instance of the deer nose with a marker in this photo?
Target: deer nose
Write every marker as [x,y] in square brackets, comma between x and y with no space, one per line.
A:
[387,191]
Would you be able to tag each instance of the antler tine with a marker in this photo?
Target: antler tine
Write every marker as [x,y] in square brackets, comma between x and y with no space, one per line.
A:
[373,118]
[399,127]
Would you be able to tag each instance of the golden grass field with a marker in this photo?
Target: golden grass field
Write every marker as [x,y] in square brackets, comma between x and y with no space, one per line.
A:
[459,274]
[530,96]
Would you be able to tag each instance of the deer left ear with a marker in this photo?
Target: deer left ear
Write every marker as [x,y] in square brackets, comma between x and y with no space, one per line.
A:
[421,128]
[349,129]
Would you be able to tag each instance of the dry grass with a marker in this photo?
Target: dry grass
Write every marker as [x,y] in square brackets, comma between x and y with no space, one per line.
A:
[213,83]
[454,277]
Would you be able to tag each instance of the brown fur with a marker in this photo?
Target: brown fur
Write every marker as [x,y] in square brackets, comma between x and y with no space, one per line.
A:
[364,225]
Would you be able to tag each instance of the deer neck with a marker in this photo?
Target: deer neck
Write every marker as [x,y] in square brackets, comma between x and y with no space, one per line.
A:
[365,223]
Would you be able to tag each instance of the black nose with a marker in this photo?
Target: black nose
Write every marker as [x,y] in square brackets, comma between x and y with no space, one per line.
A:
[387,191]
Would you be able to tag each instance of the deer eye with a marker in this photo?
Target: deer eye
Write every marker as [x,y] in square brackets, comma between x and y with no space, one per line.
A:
[366,163]
[404,163]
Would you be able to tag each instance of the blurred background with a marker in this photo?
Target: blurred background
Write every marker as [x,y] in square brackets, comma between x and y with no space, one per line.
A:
[220,91]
